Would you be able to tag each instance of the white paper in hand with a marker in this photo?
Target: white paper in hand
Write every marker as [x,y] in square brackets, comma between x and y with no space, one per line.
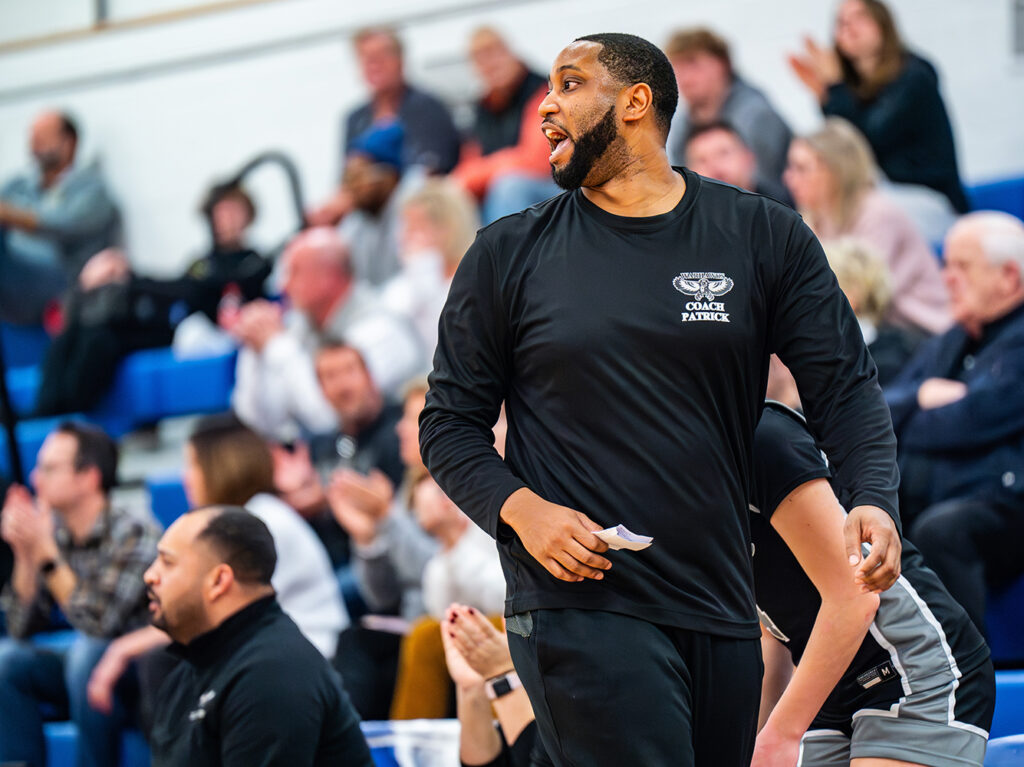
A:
[620,537]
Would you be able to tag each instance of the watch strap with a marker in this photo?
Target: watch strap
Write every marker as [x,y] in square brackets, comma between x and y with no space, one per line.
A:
[499,686]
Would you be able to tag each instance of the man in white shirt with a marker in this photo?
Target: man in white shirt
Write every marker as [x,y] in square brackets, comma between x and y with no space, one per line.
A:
[276,389]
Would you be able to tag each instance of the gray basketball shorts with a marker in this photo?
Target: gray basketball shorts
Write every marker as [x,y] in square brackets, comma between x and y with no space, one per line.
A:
[945,726]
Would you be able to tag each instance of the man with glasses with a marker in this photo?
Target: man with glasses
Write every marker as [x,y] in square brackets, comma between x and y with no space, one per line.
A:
[74,552]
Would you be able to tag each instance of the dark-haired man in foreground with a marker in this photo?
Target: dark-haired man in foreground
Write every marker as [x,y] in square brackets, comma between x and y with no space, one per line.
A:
[627,325]
[252,690]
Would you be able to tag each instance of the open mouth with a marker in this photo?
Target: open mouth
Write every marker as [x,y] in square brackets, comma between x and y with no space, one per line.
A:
[557,140]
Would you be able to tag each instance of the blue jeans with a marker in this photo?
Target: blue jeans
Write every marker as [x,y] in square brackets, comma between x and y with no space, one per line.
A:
[512,192]
[30,676]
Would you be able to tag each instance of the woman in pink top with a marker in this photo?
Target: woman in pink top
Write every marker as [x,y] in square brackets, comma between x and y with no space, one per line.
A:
[832,177]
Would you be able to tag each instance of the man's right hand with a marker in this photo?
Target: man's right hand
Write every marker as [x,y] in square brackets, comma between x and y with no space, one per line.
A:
[560,538]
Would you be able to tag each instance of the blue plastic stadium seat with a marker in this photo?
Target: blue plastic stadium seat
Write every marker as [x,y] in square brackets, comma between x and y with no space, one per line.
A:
[1004,622]
[1009,716]
[23,345]
[62,746]
[1005,752]
[1006,195]
[57,641]
[22,385]
[30,436]
[167,497]
[152,384]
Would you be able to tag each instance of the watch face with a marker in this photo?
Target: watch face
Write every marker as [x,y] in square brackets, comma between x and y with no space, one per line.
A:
[501,687]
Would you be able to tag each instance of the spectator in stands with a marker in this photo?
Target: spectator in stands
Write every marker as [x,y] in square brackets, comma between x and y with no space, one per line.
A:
[506,163]
[864,280]
[374,180]
[52,219]
[711,91]
[439,222]
[958,413]
[431,139]
[251,689]
[227,463]
[229,275]
[892,96]
[718,151]
[465,569]
[389,553]
[75,552]
[113,312]
[832,177]
[276,390]
[480,664]
[365,444]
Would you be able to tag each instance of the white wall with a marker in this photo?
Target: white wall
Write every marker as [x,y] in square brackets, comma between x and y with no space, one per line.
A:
[172,107]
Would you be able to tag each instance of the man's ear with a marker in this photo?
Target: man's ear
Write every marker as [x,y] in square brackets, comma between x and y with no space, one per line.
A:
[1013,274]
[639,101]
[218,581]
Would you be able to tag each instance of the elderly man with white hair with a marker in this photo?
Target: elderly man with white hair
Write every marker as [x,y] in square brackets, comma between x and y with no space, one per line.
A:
[276,390]
[958,412]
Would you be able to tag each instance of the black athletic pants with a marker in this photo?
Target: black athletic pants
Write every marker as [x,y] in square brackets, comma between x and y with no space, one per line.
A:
[971,545]
[612,690]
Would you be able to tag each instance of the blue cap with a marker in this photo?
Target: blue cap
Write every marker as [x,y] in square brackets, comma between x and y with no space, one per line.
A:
[382,143]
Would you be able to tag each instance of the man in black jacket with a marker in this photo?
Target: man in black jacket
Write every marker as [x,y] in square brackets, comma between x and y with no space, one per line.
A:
[627,326]
[251,690]
[958,408]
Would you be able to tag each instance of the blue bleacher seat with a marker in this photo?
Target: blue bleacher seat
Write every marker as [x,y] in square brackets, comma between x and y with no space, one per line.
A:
[57,641]
[167,497]
[22,385]
[1004,623]
[150,385]
[1006,195]
[62,746]
[23,345]
[31,435]
[386,739]
[1009,715]
[1005,752]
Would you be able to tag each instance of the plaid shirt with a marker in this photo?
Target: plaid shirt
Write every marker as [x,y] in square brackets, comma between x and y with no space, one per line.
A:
[109,597]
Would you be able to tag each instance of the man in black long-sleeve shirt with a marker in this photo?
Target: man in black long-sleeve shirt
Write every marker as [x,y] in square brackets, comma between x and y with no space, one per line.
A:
[250,690]
[627,325]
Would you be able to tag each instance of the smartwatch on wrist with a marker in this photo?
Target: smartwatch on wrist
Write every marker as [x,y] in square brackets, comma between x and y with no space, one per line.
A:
[499,686]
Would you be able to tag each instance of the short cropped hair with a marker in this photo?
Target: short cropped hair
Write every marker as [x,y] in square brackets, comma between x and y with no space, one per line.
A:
[631,60]
[68,126]
[711,127]
[220,192]
[380,31]
[94,449]
[699,40]
[242,541]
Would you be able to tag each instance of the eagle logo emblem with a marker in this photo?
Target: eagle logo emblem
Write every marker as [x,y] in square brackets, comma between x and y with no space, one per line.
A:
[703,286]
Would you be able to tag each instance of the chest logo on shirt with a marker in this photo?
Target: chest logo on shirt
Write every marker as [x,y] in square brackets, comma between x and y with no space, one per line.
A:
[705,287]
[200,713]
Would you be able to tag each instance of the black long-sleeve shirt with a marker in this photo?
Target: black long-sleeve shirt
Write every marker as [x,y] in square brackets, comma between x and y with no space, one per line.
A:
[908,128]
[254,692]
[632,354]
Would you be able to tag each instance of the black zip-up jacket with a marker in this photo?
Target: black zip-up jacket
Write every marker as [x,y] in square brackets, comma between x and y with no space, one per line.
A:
[632,355]
[254,692]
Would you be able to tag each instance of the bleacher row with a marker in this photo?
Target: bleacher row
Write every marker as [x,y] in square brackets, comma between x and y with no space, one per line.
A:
[392,744]
[153,384]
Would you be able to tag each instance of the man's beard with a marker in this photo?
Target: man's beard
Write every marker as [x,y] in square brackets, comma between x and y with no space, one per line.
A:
[48,161]
[587,150]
